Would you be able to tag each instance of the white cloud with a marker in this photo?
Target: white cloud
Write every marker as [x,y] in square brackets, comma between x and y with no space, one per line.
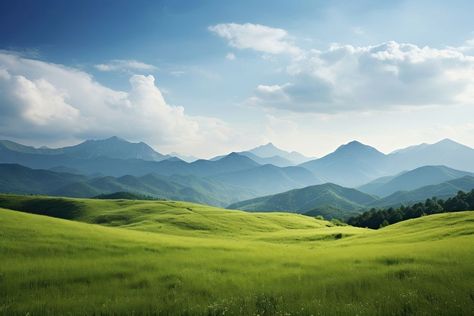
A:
[386,76]
[230,56]
[125,65]
[45,101]
[257,37]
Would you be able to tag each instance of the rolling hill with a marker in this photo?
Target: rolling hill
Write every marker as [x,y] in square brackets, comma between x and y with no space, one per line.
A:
[329,199]
[413,179]
[124,257]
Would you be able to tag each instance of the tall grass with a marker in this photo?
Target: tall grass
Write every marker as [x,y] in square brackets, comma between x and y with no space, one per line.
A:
[275,264]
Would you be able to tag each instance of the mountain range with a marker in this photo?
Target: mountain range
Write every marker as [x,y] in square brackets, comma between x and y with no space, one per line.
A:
[270,154]
[355,164]
[18,179]
[331,200]
[410,180]
[110,165]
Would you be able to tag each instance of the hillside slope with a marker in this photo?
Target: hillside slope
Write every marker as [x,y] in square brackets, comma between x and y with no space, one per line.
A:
[278,265]
[442,190]
[317,198]
[160,216]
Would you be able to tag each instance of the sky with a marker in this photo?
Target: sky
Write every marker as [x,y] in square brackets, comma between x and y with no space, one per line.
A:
[205,78]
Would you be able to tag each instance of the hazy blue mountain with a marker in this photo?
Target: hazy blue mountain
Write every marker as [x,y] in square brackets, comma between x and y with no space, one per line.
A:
[16,147]
[273,160]
[269,154]
[82,159]
[230,163]
[413,179]
[269,179]
[317,199]
[446,152]
[113,147]
[19,179]
[269,150]
[186,158]
[441,190]
[349,165]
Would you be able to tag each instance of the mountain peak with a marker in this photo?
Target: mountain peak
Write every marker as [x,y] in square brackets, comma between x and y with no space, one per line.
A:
[115,139]
[355,146]
[354,143]
[447,141]
[269,145]
[233,155]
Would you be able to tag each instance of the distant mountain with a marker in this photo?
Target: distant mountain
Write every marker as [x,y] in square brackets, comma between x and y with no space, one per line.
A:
[183,157]
[269,179]
[329,199]
[230,163]
[445,152]
[411,180]
[269,150]
[113,147]
[82,159]
[19,179]
[274,160]
[349,165]
[442,190]
[269,154]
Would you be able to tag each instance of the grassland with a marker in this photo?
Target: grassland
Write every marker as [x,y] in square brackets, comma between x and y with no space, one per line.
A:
[112,257]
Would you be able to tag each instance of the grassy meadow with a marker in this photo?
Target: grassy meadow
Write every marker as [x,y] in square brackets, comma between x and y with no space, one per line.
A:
[121,257]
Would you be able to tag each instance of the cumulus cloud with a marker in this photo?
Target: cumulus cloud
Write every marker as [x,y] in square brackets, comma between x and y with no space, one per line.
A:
[40,100]
[257,37]
[385,76]
[127,65]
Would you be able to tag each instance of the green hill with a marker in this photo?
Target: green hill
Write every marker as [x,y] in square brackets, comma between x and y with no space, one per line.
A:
[413,179]
[442,190]
[173,258]
[330,199]
[18,179]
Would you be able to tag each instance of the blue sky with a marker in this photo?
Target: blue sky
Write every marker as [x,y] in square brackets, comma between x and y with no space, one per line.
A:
[306,75]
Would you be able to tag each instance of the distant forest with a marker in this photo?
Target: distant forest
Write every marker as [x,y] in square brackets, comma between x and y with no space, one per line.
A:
[377,218]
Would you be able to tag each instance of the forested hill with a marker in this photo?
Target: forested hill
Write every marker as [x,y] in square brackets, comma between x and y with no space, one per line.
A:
[376,218]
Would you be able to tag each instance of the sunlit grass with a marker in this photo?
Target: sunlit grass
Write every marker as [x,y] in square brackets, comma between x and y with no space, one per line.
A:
[166,259]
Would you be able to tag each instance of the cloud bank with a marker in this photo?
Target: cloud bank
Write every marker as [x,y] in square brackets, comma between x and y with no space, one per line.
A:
[46,102]
[357,78]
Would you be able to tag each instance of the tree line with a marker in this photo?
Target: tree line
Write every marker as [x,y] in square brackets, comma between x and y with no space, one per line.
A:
[377,218]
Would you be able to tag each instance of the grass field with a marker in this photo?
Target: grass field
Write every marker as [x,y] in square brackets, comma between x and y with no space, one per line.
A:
[112,257]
